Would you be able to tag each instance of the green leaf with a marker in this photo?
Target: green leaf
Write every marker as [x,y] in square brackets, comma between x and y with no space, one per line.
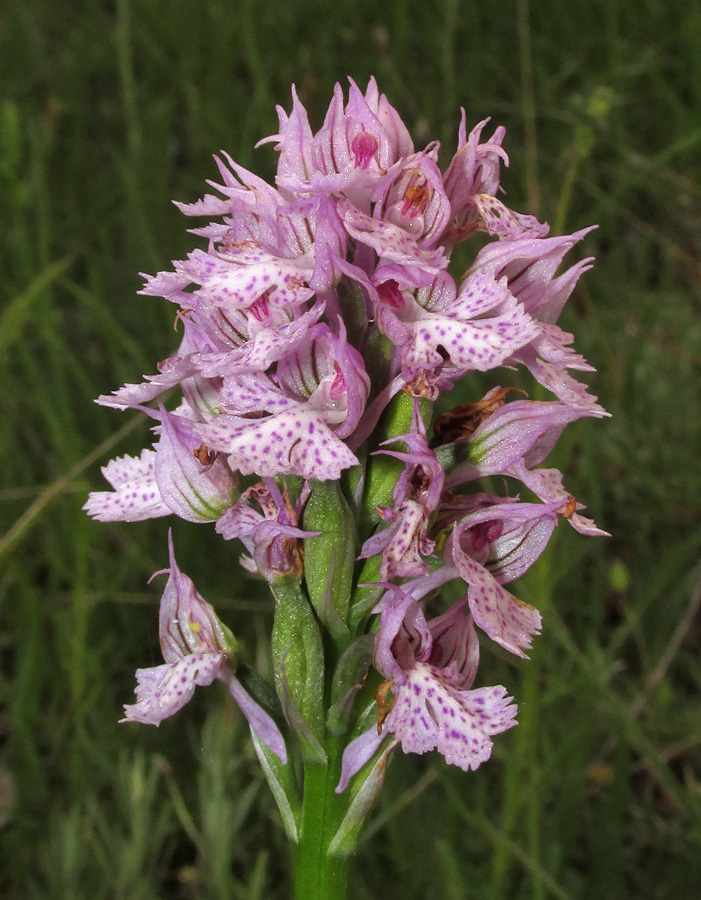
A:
[330,557]
[281,781]
[298,657]
[348,679]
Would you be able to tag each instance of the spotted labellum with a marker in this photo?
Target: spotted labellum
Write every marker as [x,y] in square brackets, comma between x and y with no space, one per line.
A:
[323,410]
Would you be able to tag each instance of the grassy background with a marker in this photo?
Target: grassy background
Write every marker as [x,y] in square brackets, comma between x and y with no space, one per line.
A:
[108,110]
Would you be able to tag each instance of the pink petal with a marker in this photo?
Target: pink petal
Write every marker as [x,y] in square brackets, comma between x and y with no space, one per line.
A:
[402,544]
[134,394]
[187,624]
[547,485]
[397,132]
[503,222]
[479,346]
[508,621]
[240,278]
[253,392]
[137,496]
[193,491]
[391,243]
[258,719]
[163,690]
[295,442]
[429,715]
[357,753]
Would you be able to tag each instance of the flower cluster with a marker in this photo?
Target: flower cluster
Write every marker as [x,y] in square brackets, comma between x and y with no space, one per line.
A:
[318,328]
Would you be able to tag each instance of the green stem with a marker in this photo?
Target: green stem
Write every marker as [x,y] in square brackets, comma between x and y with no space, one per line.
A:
[319,876]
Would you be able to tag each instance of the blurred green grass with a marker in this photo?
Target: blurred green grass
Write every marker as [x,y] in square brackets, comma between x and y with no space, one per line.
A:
[108,111]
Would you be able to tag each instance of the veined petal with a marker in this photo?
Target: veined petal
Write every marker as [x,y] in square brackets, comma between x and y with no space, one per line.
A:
[257,349]
[414,200]
[455,647]
[506,537]
[137,496]
[294,143]
[195,491]
[352,150]
[187,624]
[529,265]
[361,119]
[391,243]
[254,392]
[330,246]
[163,690]
[520,429]
[395,129]
[331,374]
[519,546]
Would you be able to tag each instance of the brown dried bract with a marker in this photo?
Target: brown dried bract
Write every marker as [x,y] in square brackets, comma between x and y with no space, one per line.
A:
[420,387]
[459,423]
[295,551]
[288,506]
[569,509]
[383,708]
[420,481]
[181,313]
[418,195]
[204,456]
